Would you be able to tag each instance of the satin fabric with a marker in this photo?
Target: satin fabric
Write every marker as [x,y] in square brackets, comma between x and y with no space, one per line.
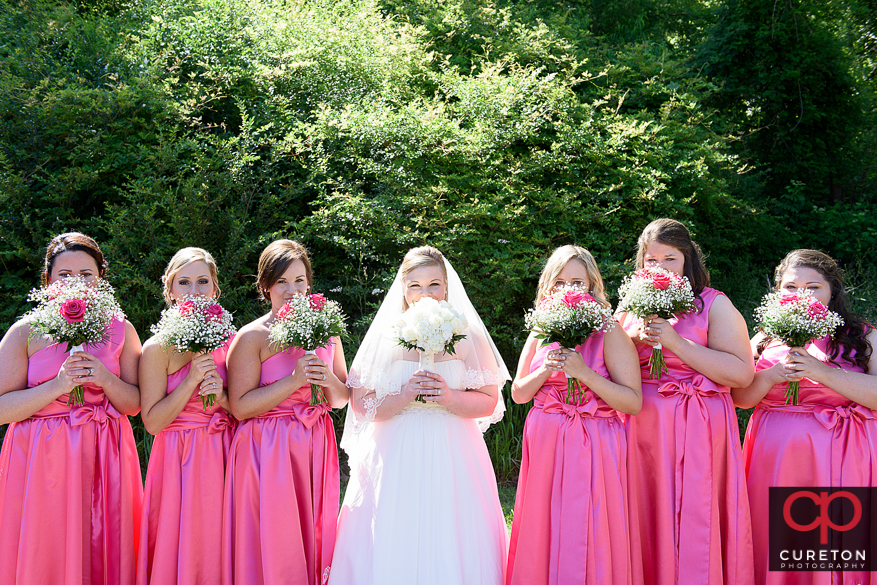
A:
[70,484]
[422,506]
[181,525]
[282,488]
[826,440]
[688,493]
[571,522]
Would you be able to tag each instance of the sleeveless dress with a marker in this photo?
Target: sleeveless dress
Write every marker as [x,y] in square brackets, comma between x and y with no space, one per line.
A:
[687,487]
[181,525]
[571,522]
[70,484]
[422,507]
[826,440]
[282,488]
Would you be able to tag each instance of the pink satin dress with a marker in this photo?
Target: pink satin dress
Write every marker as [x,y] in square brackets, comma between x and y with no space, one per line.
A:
[181,526]
[826,440]
[687,488]
[70,484]
[282,488]
[571,522]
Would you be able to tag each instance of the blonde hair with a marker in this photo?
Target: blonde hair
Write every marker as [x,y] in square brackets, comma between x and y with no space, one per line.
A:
[420,258]
[182,259]
[275,259]
[558,261]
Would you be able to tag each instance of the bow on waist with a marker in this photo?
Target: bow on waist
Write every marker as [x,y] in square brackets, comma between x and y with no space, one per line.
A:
[590,409]
[218,422]
[829,416]
[698,385]
[307,413]
[98,413]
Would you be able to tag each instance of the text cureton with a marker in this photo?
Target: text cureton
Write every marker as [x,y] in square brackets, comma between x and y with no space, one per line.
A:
[822,555]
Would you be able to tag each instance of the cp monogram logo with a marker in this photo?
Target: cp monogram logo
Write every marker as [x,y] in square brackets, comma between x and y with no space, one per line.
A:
[823,522]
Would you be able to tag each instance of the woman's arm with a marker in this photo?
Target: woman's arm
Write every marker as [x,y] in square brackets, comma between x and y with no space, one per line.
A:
[122,390]
[623,391]
[749,396]
[857,386]
[726,359]
[526,383]
[17,401]
[158,408]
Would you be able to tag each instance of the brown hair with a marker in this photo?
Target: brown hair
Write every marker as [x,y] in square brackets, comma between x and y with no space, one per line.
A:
[275,259]
[853,335]
[72,242]
[558,261]
[674,234]
[180,260]
[419,258]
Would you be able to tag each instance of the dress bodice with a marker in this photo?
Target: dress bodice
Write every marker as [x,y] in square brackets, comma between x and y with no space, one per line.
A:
[811,392]
[195,404]
[282,364]
[45,364]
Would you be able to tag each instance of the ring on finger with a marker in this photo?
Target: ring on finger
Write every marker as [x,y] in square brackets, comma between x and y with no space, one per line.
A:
[90,371]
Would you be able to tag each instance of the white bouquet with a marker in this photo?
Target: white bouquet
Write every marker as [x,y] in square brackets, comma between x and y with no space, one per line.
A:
[308,322]
[568,316]
[430,327]
[197,324]
[74,311]
[796,319]
[656,291]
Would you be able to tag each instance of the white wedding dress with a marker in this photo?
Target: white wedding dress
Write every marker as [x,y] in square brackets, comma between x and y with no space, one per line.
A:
[422,506]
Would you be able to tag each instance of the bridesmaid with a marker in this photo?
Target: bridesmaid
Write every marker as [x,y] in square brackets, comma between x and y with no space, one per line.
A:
[571,521]
[283,483]
[70,484]
[688,494]
[181,525]
[830,438]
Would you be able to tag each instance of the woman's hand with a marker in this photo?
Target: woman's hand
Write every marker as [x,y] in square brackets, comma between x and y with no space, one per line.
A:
[433,388]
[93,371]
[655,330]
[574,365]
[554,362]
[73,372]
[317,371]
[799,364]
[201,369]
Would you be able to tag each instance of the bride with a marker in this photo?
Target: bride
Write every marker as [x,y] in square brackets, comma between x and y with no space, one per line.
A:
[422,506]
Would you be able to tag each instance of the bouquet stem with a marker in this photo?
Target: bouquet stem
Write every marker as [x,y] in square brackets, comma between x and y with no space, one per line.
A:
[77,395]
[656,364]
[317,395]
[207,401]
[573,390]
[792,393]
[427,363]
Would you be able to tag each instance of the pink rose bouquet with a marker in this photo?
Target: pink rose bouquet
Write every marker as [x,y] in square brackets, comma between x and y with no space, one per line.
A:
[568,317]
[308,322]
[656,291]
[76,312]
[796,319]
[197,324]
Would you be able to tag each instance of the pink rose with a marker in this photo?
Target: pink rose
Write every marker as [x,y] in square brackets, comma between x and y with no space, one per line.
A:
[789,299]
[573,298]
[74,310]
[213,312]
[317,302]
[661,281]
[544,303]
[286,311]
[186,308]
[817,310]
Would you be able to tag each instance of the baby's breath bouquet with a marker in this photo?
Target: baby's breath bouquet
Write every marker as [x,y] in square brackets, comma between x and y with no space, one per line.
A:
[197,324]
[430,327]
[796,319]
[308,322]
[568,317]
[73,311]
[656,291]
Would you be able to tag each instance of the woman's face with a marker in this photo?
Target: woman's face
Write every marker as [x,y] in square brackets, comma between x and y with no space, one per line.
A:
[193,279]
[803,277]
[574,274]
[292,282]
[427,281]
[74,263]
[663,256]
